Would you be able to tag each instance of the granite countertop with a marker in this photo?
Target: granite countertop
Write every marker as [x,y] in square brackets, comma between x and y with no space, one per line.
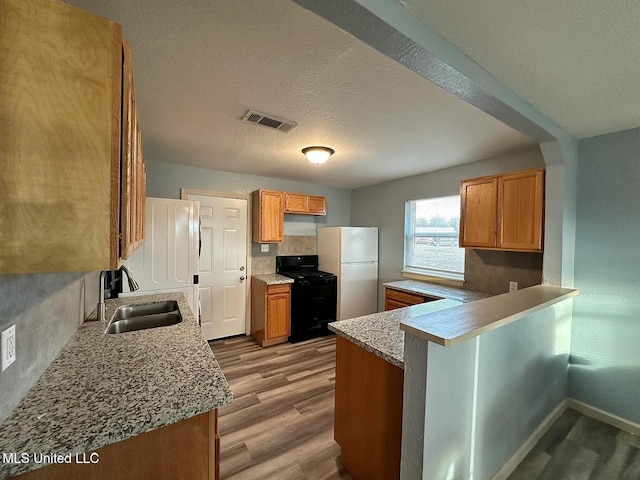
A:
[104,388]
[436,290]
[380,333]
[273,278]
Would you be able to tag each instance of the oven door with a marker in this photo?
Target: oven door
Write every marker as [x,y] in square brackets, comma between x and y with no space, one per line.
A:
[313,305]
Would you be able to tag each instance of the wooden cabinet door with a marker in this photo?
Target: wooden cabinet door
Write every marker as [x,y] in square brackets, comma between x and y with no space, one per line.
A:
[520,210]
[185,449]
[478,204]
[268,216]
[278,321]
[296,203]
[60,93]
[133,171]
[396,299]
[317,205]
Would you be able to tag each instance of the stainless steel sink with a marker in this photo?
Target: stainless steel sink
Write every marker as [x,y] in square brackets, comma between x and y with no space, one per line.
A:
[141,317]
[145,309]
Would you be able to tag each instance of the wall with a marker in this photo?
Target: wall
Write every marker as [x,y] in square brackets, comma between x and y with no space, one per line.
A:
[605,349]
[383,205]
[165,180]
[476,403]
[46,309]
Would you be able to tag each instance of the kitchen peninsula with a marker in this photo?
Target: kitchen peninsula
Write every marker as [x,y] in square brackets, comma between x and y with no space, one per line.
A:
[127,398]
[369,384]
[371,355]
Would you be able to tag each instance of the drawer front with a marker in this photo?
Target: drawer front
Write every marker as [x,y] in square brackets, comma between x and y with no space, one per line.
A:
[404,297]
[282,288]
[390,304]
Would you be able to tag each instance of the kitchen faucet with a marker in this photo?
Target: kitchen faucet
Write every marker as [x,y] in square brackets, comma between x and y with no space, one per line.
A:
[133,286]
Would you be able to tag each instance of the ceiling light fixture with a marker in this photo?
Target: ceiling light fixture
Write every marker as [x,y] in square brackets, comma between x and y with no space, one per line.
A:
[318,155]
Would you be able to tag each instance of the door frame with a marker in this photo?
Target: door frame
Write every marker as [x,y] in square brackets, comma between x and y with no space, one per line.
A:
[185,192]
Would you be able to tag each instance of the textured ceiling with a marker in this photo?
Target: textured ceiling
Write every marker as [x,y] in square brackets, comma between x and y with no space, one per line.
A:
[200,65]
[575,60]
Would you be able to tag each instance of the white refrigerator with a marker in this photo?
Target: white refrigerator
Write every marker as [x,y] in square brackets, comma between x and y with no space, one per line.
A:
[351,253]
[168,260]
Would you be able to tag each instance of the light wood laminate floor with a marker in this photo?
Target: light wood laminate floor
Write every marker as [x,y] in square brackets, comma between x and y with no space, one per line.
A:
[280,424]
[577,447]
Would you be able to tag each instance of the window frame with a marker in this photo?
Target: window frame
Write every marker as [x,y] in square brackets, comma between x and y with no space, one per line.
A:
[422,272]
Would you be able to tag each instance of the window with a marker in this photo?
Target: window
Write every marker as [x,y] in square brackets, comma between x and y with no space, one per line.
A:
[431,238]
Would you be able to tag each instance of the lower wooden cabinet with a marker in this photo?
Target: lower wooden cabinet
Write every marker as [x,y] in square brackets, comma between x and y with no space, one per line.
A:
[186,449]
[270,312]
[396,299]
[368,412]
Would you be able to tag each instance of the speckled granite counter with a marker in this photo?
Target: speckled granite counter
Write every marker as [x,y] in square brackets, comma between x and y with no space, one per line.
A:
[104,388]
[273,278]
[380,333]
[438,291]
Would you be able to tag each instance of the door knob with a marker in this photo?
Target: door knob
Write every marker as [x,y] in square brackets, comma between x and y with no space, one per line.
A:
[241,269]
[242,278]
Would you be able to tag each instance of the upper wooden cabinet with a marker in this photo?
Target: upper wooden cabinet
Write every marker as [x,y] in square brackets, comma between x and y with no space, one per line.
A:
[60,138]
[134,185]
[268,216]
[303,204]
[296,203]
[503,212]
[478,201]
[520,210]
[269,207]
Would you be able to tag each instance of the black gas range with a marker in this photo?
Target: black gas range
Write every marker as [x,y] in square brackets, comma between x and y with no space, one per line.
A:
[313,296]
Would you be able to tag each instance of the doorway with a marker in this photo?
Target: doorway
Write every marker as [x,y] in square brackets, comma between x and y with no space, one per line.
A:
[223,273]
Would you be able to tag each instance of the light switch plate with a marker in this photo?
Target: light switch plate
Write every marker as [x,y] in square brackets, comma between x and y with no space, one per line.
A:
[264,247]
[513,286]
[8,346]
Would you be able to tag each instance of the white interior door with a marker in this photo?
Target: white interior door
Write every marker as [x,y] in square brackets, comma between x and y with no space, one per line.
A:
[223,265]
[168,259]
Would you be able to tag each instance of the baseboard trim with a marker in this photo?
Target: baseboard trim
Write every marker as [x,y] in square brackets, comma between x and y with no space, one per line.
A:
[508,468]
[593,412]
[603,416]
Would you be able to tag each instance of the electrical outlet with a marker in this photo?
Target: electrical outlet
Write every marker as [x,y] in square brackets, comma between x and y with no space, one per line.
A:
[264,247]
[513,286]
[8,347]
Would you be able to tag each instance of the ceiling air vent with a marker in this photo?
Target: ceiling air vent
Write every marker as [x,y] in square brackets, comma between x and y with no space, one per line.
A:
[269,121]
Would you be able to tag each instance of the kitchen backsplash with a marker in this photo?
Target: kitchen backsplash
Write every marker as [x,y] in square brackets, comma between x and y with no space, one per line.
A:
[46,309]
[491,271]
[292,245]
